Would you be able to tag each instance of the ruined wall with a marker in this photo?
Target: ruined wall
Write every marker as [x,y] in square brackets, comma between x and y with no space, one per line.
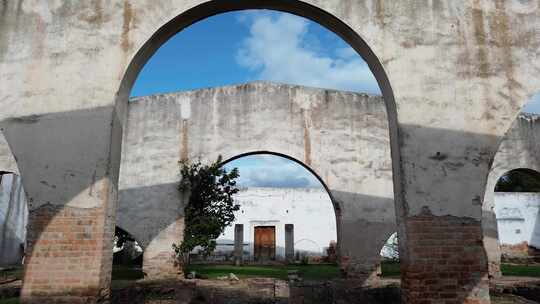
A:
[454,75]
[13,220]
[342,137]
[520,148]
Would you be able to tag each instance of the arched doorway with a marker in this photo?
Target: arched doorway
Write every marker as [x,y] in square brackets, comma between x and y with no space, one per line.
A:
[282,192]
[361,189]
[517,201]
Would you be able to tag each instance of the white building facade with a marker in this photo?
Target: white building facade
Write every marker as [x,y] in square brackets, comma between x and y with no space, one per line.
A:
[518,219]
[310,210]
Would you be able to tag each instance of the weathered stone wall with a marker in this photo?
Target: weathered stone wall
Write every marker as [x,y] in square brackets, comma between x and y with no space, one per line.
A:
[13,220]
[342,137]
[520,148]
[453,75]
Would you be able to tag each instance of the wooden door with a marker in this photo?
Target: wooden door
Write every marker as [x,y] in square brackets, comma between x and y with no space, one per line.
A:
[265,243]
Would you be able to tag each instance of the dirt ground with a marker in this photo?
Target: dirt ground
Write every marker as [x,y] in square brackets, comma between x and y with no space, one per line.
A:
[508,290]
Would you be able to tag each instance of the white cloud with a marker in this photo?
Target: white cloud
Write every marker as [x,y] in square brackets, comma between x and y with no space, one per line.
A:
[280,48]
[272,171]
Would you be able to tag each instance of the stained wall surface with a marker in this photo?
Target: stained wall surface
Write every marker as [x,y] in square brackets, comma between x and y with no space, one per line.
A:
[453,74]
[342,137]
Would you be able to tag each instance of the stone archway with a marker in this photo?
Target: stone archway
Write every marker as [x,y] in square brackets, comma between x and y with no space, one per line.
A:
[459,73]
[341,137]
[518,149]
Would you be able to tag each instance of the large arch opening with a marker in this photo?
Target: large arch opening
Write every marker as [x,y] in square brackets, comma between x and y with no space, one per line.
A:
[517,149]
[282,197]
[298,8]
[516,205]
[333,24]
[13,220]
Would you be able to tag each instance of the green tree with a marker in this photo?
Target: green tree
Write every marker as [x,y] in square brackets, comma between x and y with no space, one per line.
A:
[210,207]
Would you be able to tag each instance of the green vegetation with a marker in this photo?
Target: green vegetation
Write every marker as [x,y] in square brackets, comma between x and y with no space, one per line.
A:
[520,270]
[390,269]
[211,206]
[16,272]
[10,301]
[308,272]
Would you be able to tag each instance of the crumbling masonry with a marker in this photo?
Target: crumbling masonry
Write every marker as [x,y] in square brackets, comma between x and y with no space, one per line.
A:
[453,75]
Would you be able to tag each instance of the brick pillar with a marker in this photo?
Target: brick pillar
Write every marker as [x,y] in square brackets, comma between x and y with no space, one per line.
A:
[445,261]
[289,242]
[69,165]
[159,258]
[238,244]
[69,255]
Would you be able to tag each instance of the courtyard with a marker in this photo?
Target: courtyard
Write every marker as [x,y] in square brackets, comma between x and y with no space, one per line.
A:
[407,133]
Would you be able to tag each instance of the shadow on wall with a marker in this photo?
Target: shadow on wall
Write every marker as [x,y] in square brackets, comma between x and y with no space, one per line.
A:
[69,171]
[146,211]
[366,224]
[431,169]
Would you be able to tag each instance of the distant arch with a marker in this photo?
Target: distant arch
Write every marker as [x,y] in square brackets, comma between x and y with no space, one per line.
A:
[519,180]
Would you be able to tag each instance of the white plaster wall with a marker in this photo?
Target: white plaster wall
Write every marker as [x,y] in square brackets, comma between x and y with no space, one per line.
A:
[517,218]
[309,209]
[13,219]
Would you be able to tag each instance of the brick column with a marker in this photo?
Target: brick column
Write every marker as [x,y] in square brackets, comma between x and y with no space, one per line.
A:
[69,166]
[238,244]
[159,258]
[289,243]
[69,255]
[445,261]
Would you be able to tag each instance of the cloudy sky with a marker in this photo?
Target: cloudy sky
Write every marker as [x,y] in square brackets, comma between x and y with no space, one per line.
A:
[239,47]
[264,170]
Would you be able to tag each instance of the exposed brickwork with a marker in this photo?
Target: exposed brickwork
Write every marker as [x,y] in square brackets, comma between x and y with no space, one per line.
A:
[363,271]
[446,262]
[162,266]
[521,249]
[69,255]
[159,260]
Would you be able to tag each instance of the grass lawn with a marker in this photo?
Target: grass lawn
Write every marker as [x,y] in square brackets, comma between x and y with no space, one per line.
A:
[521,270]
[390,269]
[16,272]
[308,272]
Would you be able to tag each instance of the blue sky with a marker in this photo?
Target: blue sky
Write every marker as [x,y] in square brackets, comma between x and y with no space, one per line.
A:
[265,170]
[245,46]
